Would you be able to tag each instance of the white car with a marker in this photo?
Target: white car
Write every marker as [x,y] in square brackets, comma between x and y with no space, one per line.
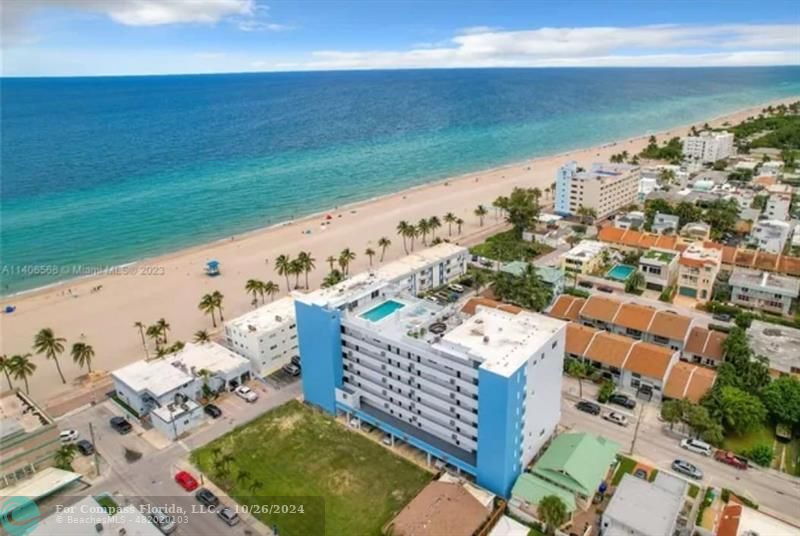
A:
[697,446]
[69,436]
[616,418]
[246,393]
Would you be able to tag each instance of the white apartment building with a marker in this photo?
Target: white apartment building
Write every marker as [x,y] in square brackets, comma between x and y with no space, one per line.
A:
[267,336]
[606,188]
[778,206]
[708,146]
[426,269]
[764,291]
[665,223]
[770,235]
[584,258]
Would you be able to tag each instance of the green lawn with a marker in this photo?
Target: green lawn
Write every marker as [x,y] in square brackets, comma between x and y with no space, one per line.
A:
[294,455]
[763,434]
[506,247]
[693,491]
[625,466]
[792,452]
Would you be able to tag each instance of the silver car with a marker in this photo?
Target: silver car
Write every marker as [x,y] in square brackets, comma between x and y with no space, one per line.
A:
[685,468]
[161,519]
[228,516]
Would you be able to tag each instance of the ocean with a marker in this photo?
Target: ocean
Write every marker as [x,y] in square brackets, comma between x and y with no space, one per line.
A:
[105,171]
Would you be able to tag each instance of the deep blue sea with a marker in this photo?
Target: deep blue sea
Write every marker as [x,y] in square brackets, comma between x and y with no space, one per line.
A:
[104,171]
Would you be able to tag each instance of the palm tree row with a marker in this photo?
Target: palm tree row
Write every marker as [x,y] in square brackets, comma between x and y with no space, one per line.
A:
[210,304]
[303,264]
[424,227]
[45,342]
[261,288]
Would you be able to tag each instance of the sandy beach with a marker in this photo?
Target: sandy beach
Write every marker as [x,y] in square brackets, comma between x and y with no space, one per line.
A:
[171,286]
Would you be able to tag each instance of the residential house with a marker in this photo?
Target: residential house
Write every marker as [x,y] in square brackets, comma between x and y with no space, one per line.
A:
[764,291]
[698,267]
[659,268]
[705,347]
[642,508]
[630,220]
[778,206]
[690,382]
[694,231]
[665,223]
[779,344]
[771,235]
[552,277]
[28,436]
[584,258]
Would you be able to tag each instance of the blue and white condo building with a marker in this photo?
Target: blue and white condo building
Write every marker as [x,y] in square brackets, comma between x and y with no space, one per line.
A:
[481,393]
[605,188]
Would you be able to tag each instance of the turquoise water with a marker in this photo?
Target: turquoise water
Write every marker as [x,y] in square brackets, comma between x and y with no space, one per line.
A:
[378,313]
[103,171]
[621,272]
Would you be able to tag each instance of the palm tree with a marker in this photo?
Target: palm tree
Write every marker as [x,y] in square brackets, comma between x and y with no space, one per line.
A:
[140,327]
[64,455]
[283,265]
[580,371]
[552,510]
[253,286]
[201,336]
[22,368]
[154,333]
[412,232]
[296,268]
[331,260]
[270,288]
[255,485]
[345,258]
[45,342]
[537,194]
[402,230]
[5,366]
[434,223]
[163,327]
[547,192]
[209,307]
[242,477]
[384,243]
[450,219]
[459,223]
[82,355]
[423,227]
[217,297]
[480,212]
[369,252]
[307,262]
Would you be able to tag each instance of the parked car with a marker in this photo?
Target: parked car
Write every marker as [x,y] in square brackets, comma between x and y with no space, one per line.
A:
[686,468]
[616,418]
[212,411]
[622,400]
[640,473]
[585,284]
[228,516]
[186,480]
[722,317]
[291,368]
[730,458]
[588,407]
[68,436]
[161,519]
[456,288]
[206,497]
[696,446]
[246,393]
[121,425]
[85,447]
[605,289]
[296,360]
[387,440]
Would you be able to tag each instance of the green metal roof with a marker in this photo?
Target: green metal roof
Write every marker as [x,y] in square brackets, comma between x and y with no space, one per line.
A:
[577,461]
[548,274]
[532,489]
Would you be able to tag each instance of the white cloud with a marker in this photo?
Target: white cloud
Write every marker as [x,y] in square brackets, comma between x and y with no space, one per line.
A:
[660,45]
[252,25]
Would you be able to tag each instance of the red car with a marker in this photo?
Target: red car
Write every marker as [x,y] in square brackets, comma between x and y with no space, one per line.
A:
[730,458]
[186,481]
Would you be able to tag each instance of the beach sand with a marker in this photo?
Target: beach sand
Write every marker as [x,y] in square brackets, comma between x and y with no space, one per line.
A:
[171,286]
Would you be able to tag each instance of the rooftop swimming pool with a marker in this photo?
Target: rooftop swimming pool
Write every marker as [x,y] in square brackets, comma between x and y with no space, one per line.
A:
[379,312]
[620,272]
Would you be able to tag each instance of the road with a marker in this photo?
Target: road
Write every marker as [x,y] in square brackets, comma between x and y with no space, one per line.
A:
[150,480]
[772,490]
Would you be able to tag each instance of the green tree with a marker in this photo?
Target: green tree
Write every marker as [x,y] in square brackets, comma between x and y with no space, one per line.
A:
[45,342]
[782,400]
[369,252]
[253,286]
[434,223]
[761,454]
[579,370]
[481,213]
[5,367]
[521,209]
[722,216]
[140,327]
[82,355]
[527,291]
[345,258]
[737,410]
[331,260]
[634,282]
[163,328]
[295,269]
[383,243]
[209,307]
[553,512]
[459,224]
[333,277]
[605,392]
[22,368]
[217,297]
[307,263]
[201,336]
[283,265]
[270,288]
[450,219]
[403,231]
[672,411]
[586,214]
[64,455]
[424,227]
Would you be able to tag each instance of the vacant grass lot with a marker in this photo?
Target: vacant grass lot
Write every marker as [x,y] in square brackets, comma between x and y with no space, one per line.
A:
[764,434]
[294,455]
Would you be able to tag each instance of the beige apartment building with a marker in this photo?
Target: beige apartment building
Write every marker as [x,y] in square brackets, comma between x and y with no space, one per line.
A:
[606,188]
[698,267]
[28,437]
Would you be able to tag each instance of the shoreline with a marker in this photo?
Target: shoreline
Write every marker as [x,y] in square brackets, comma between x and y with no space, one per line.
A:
[108,269]
[105,318]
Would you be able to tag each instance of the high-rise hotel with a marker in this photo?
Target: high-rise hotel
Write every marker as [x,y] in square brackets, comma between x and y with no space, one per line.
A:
[481,392]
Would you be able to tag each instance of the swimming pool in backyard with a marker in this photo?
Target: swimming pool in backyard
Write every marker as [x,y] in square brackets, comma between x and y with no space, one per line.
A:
[379,312]
[620,272]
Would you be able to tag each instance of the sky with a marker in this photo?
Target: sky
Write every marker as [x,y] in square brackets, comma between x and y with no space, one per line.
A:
[135,37]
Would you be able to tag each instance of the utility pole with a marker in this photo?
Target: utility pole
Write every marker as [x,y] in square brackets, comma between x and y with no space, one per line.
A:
[94,446]
[636,429]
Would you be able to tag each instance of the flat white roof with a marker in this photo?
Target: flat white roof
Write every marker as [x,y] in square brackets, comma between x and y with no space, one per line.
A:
[210,356]
[585,249]
[157,376]
[766,281]
[42,483]
[755,522]
[503,341]
[267,317]
[170,412]
[418,260]
[82,518]
[644,507]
